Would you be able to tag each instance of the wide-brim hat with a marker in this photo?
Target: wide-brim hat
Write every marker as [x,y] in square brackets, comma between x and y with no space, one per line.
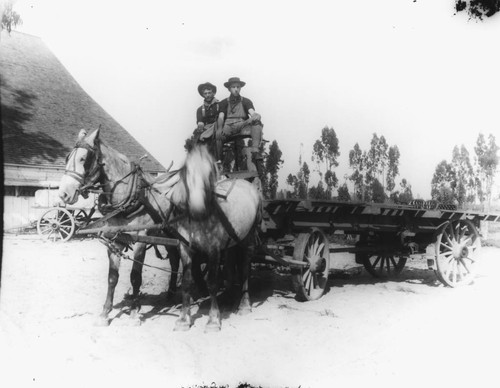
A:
[206,85]
[234,80]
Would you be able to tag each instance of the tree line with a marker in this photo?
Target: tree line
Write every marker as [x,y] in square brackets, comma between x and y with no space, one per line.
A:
[373,172]
[461,181]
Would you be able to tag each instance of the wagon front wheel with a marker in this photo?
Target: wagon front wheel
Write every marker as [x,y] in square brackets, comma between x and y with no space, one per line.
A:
[457,252]
[56,224]
[311,279]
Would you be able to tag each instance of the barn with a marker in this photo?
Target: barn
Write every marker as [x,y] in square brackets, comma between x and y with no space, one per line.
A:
[43,108]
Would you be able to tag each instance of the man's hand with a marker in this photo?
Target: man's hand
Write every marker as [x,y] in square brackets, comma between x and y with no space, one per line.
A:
[255,117]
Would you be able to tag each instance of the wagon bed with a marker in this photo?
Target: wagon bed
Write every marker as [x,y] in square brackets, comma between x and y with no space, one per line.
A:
[294,233]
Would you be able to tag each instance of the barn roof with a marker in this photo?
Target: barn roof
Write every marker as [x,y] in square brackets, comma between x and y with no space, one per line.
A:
[43,108]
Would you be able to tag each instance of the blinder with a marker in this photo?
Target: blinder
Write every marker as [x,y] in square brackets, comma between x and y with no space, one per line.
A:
[91,166]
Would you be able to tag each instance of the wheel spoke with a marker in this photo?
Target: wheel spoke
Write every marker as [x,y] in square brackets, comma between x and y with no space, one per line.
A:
[376,261]
[314,281]
[305,277]
[309,283]
[464,264]
[446,246]
[463,232]
[63,230]
[447,237]
[320,249]
[65,221]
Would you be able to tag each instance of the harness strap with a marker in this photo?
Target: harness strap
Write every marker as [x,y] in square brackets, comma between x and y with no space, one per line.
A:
[225,222]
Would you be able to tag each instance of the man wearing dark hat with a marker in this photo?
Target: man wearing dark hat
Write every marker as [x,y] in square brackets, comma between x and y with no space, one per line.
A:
[237,115]
[208,113]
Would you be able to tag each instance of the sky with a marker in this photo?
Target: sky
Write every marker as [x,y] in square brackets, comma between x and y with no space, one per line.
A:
[412,71]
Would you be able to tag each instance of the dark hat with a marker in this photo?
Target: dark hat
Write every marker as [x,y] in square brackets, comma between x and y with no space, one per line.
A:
[206,85]
[234,80]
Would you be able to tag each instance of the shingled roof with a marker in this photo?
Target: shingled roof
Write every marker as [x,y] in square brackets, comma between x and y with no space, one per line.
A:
[43,108]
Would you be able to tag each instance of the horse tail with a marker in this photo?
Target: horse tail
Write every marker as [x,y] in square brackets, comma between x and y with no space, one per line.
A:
[200,175]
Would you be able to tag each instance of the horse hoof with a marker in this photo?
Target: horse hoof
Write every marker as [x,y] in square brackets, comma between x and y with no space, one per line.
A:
[102,322]
[135,319]
[244,311]
[182,326]
[212,327]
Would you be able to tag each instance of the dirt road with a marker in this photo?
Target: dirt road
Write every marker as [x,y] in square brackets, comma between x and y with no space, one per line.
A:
[408,332]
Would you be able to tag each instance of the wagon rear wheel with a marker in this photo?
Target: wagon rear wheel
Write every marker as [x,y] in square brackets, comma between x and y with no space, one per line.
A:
[457,252]
[384,265]
[311,280]
[56,224]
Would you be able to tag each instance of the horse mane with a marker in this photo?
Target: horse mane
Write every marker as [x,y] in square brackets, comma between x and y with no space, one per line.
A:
[198,175]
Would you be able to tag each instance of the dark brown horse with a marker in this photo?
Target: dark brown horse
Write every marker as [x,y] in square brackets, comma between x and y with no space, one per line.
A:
[209,215]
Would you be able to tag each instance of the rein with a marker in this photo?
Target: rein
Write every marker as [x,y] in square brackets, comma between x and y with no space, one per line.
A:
[133,201]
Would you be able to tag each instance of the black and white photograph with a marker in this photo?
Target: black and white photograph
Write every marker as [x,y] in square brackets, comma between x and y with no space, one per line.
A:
[259,194]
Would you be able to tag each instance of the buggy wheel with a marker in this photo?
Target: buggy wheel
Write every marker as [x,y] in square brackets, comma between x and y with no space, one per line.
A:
[312,279]
[383,265]
[56,224]
[457,252]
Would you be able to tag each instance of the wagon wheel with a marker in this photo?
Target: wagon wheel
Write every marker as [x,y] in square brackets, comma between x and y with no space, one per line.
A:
[313,249]
[384,265]
[457,253]
[56,224]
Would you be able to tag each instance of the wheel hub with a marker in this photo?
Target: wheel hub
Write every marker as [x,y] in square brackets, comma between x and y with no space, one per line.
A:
[317,264]
[460,251]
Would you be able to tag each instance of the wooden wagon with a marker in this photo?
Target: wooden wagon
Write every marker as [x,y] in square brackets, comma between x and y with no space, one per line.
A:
[295,233]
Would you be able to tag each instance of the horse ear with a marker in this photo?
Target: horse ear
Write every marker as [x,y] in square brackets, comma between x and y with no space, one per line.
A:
[93,138]
[83,132]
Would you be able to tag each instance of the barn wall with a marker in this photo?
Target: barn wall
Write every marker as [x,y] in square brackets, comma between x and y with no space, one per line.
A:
[19,212]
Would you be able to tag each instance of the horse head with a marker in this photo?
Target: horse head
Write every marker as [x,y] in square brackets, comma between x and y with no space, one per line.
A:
[83,167]
[200,177]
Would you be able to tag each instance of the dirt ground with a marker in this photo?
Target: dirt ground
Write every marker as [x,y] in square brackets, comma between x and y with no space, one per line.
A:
[408,332]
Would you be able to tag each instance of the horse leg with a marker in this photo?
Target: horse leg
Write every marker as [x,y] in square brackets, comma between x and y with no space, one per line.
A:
[199,274]
[136,279]
[185,321]
[214,321]
[245,306]
[174,258]
[113,274]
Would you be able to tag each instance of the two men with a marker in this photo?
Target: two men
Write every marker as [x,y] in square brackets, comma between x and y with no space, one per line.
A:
[236,115]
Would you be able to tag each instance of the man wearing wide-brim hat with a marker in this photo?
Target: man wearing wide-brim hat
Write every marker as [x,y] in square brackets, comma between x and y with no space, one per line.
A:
[237,116]
[207,114]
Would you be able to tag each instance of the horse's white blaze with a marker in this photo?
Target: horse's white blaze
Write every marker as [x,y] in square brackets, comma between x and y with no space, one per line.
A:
[68,187]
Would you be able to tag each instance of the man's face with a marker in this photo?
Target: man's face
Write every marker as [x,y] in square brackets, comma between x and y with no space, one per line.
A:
[208,95]
[235,89]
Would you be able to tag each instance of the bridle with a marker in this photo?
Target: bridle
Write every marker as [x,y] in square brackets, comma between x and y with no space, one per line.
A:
[92,167]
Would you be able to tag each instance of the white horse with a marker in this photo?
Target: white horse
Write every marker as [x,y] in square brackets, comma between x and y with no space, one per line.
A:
[206,214]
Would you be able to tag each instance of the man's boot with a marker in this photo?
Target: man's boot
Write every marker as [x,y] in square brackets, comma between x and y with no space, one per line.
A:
[258,161]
